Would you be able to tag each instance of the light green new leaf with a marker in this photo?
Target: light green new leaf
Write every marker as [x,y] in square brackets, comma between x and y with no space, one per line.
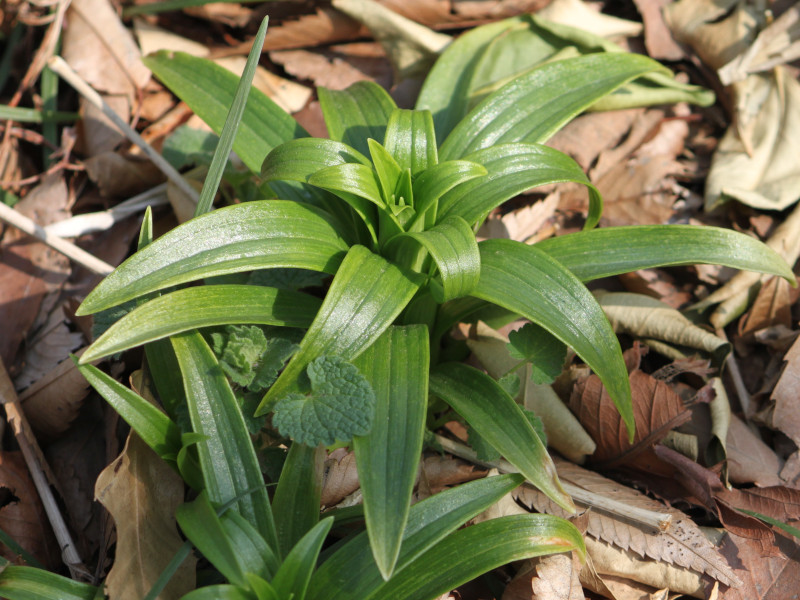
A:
[341,404]
[527,281]
[512,169]
[411,140]
[243,237]
[220,592]
[435,182]
[297,160]
[360,112]
[446,91]
[352,178]
[365,297]
[454,249]
[227,458]
[30,583]
[292,579]
[615,250]
[535,105]
[209,91]
[296,501]
[475,550]
[396,366]
[351,571]
[231,126]
[387,169]
[494,415]
[205,306]
[155,428]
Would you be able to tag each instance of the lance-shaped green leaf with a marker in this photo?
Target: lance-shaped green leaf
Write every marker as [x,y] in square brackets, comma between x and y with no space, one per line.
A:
[155,428]
[30,583]
[534,106]
[352,178]
[490,544]
[396,366]
[360,112]
[527,281]
[446,91]
[351,571]
[297,160]
[454,249]
[222,592]
[205,306]
[433,183]
[227,458]
[292,579]
[366,296]
[512,169]
[411,140]
[615,250]
[243,237]
[297,497]
[499,420]
[387,169]
[209,91]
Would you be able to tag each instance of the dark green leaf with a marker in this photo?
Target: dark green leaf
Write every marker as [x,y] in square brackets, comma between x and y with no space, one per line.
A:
[536,345]
[433,183]
[293,577]
[297,160]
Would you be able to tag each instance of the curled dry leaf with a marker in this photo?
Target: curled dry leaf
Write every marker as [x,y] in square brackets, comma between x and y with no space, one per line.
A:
[576,13]
[785,411]
[339,477]
[657,410]
[553,577]
[682,547]
[645,317]
[772,306]
[142,493]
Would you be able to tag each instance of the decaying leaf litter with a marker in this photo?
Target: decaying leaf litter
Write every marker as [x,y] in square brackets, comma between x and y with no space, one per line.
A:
[717,431]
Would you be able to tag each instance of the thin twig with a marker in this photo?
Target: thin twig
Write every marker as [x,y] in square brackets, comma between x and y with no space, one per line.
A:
[651,521]
[66,248]
[37,466]
[59,66]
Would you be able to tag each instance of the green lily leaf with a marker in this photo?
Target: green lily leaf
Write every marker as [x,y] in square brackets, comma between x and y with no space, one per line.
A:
[205,306]
[433,183]
[494,415]
[387,169]
[341,405]
[360,112]
[243,237]
[512,169]
[227,458]
[220,592]
[250,548]
[365,297]
[351,571]
[411,140]
[446,91]
[615,250]
[293,577]
[297,160]
[209,90]
[491,544]
[296,501]
[527,281]
[30,583]
[155,428]
[454,249]
[535,105]
[396,366]
[352,178]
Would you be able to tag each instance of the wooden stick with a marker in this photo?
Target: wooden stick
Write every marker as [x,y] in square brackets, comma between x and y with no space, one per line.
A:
[653,522]
[68,249]
[59,66]
[37,467]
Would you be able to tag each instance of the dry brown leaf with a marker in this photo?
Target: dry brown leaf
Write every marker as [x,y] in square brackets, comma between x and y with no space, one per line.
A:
[582,15]
[657,37]
[142,493]
[440,472]
[325,26]
[553,577]
[22,515]
[656,408]
[683,545]
[659,284]
[29,270]
[525,224]
[96,132]
[750,460]
[339,477]
[122,176]
[225,13]
[785,415]
[772,306]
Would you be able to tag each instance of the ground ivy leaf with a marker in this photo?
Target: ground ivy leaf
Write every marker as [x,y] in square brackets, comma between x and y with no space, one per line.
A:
[341,405]
[539,347]
[511,384]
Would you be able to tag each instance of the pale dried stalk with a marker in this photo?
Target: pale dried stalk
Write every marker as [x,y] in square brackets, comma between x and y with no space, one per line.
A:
[37,467]
[59,66]
[68,249]
[650,521]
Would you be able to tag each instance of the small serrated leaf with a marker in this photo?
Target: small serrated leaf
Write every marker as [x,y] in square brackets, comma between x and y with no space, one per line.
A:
[544,351]
[239,350]
[341,405]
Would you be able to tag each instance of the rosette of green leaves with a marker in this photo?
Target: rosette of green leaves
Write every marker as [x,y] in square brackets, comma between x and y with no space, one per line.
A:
[390,212]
